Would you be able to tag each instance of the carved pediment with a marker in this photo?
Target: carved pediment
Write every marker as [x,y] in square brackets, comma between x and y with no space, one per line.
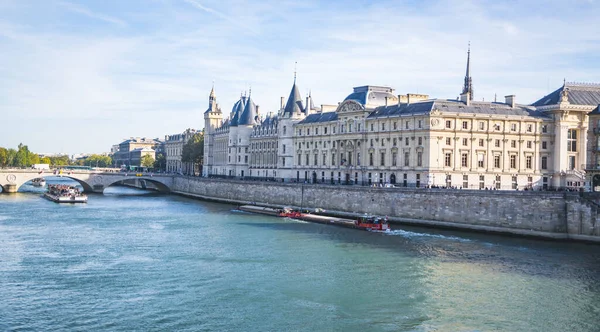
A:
[350,106]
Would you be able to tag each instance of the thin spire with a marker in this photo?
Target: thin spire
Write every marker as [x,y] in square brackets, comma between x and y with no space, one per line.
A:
[468,86]
[295,65]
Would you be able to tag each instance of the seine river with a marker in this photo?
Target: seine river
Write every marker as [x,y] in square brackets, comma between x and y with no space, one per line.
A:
[133,261]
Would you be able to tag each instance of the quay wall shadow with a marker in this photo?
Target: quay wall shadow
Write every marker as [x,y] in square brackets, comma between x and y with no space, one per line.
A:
[558,215]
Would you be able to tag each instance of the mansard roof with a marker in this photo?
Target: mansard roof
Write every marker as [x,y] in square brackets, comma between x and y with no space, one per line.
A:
[454,107]
[596,111]
[320,117]
[578,94]
[373,95]
[294,102]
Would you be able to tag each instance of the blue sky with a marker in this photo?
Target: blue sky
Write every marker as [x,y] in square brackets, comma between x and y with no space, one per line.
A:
[79,76]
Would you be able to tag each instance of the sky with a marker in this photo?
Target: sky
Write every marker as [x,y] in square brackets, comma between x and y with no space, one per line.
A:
[80,76]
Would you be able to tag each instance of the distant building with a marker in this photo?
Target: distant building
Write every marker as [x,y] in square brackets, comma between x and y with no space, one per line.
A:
[174,149]
[377,137]
[133,149]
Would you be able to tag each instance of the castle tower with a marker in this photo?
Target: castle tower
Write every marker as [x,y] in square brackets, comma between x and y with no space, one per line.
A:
[212,119]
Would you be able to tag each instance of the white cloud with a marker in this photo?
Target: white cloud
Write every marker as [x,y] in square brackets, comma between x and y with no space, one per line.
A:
[153,77]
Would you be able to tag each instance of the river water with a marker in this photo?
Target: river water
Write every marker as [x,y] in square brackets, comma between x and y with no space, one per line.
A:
[135,261]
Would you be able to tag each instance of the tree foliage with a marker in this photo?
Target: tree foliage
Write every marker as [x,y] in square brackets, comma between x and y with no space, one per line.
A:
[193,150]
[160,162]
[97,160]
[147,161]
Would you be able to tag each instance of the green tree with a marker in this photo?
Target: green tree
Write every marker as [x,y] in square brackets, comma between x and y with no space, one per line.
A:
[11,155]
[147,161]
[160,162]
[193,150]
[3,157]
[22,156]
[45,160]
[34,158]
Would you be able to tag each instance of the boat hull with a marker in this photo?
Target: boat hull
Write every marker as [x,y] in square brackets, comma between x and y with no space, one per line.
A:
[65,199]
[343,222]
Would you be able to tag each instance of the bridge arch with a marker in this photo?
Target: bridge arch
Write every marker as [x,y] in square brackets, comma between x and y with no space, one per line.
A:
[160,186]
[86,186]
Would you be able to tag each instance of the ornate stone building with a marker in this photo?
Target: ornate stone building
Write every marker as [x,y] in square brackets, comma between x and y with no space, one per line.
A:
[377,137]
[174,149]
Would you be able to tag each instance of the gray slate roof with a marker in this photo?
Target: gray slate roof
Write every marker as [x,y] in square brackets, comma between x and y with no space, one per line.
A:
[294,102]
[248,116]
[320,117]
[455,106]
[579,94]
[596,111]
[237,110]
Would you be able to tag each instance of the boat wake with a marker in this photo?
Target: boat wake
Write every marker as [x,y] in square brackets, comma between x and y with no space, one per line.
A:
[409,234]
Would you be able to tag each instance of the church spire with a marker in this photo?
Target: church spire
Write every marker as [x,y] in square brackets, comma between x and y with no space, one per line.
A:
[212,96]
[468,86]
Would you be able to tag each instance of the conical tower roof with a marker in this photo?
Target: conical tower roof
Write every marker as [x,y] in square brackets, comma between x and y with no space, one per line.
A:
[294,102]
[248,114]
[236,112]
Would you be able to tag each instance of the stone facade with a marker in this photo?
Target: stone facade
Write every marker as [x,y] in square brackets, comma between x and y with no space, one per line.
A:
[538,213]
[131,151]
[174,149]
[377,137]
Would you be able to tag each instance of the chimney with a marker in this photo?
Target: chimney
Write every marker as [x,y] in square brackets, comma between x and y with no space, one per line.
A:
[466,98]
[282,102]
[307,107]
[510,100]
[386,101]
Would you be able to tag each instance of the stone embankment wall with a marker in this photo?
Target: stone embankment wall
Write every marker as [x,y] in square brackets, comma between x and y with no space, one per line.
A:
[557,215]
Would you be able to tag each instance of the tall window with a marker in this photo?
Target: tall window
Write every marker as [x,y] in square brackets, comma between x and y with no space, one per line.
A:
[465,141]
[513,143]
[497,143]
[465,181]
[465,125]
[382,159]
[394,157]
[419,158]
[420,140]
[544,128]
[316,159]
[464,158]
[299,160]
[448,124]
[513,161]
[358,158]
[529,144]
[528,162]
[481,181]
[497,161]
[324,160]
[307,163]
[481,142]
[383,126]
[283,148]
[395,124]
[480,160]
[448,159]
[572,140]
[544,162]
[406,158]
[498,182]
[371,159]
[514,182]
[448,141]
[481,125]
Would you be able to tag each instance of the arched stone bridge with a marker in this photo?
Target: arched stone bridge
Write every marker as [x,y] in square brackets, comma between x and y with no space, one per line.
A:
[91,181]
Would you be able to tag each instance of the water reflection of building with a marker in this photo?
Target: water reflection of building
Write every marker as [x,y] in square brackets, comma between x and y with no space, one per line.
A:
[376,136]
